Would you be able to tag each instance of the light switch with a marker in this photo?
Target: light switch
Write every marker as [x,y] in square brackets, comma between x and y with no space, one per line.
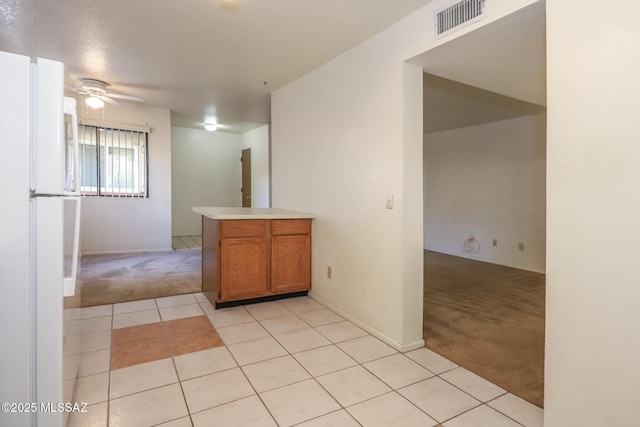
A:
[389,201]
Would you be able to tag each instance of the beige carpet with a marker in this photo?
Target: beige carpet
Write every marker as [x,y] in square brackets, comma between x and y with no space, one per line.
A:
[488,319]
[108,279]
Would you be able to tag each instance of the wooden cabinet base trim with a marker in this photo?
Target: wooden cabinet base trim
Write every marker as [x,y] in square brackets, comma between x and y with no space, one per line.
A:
[272,297]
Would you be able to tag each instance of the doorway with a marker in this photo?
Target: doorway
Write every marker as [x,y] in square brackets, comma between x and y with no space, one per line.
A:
[484,171]
[246,178]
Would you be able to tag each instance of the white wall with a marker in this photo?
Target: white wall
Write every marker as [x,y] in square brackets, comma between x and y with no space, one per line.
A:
[592,376]
[206,171]
[488,181]
[343,137]
[258,141]
[111,224]
[336,153]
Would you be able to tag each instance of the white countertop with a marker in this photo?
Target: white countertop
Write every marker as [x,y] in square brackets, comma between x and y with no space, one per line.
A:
[251,213]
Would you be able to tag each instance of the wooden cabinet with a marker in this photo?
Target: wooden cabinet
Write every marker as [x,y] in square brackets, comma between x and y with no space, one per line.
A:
[252,258]
[243,267]
[290,261]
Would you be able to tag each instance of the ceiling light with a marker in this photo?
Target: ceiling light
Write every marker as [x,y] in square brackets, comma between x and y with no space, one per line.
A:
[210,127]
[94,102]
[230,5]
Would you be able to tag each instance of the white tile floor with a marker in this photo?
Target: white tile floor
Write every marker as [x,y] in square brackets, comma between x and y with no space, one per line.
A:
[287,362]
[186,242]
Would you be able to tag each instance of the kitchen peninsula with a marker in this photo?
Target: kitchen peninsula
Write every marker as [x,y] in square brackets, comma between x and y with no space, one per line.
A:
[254,253]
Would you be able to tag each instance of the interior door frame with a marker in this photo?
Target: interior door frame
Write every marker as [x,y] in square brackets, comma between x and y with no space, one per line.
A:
[246,178]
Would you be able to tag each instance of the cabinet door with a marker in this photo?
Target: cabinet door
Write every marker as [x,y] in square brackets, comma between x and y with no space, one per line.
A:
[243,268]
[290,263]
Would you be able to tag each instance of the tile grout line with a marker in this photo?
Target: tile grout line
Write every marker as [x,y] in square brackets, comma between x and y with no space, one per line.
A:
[180,381]
[335,344]
[391,388]
[175,368]
[245,375]
[311,377]
[329,413]
[481,402]
[172,355]
[250,384]
[110,360]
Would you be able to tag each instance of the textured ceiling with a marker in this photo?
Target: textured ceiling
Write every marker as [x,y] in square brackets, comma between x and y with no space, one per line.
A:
[197,58]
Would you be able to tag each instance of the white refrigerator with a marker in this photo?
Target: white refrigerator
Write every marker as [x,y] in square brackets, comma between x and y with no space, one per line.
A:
[39,228]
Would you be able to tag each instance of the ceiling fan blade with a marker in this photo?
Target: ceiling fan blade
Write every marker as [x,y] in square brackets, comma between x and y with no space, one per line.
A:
[127,97]
[78,90]
[110,101]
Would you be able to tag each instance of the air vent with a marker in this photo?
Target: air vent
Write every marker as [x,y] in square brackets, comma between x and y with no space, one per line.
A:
[458,15]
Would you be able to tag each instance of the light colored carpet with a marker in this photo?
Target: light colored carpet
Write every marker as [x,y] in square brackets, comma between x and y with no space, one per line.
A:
[108,279]
[488,319]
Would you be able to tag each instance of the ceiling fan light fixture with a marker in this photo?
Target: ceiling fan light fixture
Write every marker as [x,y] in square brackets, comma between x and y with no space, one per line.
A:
[210,127]
[94,102]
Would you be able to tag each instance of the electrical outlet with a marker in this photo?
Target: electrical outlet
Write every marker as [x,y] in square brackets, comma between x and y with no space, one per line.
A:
[495,242]
[521,246]
[329,272]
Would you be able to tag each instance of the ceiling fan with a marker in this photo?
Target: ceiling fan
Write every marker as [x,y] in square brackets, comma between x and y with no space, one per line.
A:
[97,93]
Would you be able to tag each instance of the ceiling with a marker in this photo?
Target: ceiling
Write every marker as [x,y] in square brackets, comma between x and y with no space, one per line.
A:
[495,72]
[202,59]
[451,105]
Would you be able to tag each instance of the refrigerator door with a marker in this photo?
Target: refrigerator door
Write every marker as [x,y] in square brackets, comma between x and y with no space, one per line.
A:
[47,230]
[15,316]
[48,143]
[47,225]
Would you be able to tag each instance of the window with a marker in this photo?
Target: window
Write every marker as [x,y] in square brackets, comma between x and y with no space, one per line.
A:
[113,162]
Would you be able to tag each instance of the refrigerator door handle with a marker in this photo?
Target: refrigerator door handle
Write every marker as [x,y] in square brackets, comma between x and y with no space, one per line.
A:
[69,282]
[74,169]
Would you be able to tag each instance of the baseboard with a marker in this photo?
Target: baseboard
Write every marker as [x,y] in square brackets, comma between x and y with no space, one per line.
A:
[400,347]
[133,251]
[466,256]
